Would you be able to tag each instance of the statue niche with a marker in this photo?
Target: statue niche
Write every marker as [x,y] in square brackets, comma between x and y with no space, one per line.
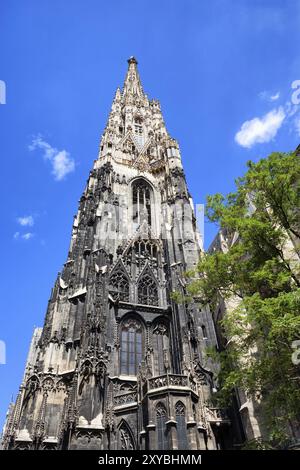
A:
[92,380]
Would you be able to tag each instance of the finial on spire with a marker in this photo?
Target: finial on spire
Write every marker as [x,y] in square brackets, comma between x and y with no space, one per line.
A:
[132,60]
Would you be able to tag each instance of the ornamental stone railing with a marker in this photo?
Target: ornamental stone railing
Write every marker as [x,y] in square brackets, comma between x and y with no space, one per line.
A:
[217,415]
[125,398]
[169,380]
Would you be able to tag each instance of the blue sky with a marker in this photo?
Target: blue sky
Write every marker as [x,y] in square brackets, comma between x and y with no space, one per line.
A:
[222,71]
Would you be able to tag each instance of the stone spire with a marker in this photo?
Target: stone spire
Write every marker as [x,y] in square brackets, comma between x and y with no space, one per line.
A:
[132,85]
[118,364]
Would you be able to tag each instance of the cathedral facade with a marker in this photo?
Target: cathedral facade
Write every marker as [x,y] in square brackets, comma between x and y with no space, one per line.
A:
[119,364]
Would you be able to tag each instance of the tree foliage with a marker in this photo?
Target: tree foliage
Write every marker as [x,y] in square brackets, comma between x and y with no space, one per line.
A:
[259,267]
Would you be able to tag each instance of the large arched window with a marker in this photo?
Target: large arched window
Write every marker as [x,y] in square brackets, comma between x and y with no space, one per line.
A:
[141,202]
[119,286]
[160,341]
[161,428]
[131,346]
[181,426]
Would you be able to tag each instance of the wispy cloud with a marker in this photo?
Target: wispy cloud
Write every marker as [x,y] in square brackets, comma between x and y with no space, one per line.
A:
[24,236]
[260,129]
[268,96]
[27,236]
[26,220]
[275,97]
[62,163]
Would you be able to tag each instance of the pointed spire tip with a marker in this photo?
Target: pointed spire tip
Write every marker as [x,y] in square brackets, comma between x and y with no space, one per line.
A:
[132,60]
[132,84]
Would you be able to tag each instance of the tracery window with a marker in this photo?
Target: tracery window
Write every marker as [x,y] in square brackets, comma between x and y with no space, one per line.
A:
[181,426]
[145,248]
[160,340]
[138,126]
[131,346]
[119,286]
[147,290]
[162,431]
[138,130]
[143,251]
[125,438]
[141,202]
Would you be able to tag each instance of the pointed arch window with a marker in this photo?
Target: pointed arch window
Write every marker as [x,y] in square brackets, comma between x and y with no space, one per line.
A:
[141,202]
[160,341]
[147,290]
[138,130]
[125,438]
[181,426]
[161,428]
[119,286]
[138,126]
[131,346]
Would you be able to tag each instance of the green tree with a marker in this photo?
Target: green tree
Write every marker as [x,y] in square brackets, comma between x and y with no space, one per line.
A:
[260,269]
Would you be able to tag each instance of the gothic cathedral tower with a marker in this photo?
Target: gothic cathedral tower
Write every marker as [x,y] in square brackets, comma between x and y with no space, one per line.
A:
[118,364]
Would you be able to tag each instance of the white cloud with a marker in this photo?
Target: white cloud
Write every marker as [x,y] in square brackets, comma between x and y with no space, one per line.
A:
[27,236]
[61,162]
[26,220]
[24,236]
[267,96]
[260,130]
[275,97]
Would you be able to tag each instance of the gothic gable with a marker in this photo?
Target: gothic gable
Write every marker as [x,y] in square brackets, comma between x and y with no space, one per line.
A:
[119,282]
[141,162]
[128,145]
